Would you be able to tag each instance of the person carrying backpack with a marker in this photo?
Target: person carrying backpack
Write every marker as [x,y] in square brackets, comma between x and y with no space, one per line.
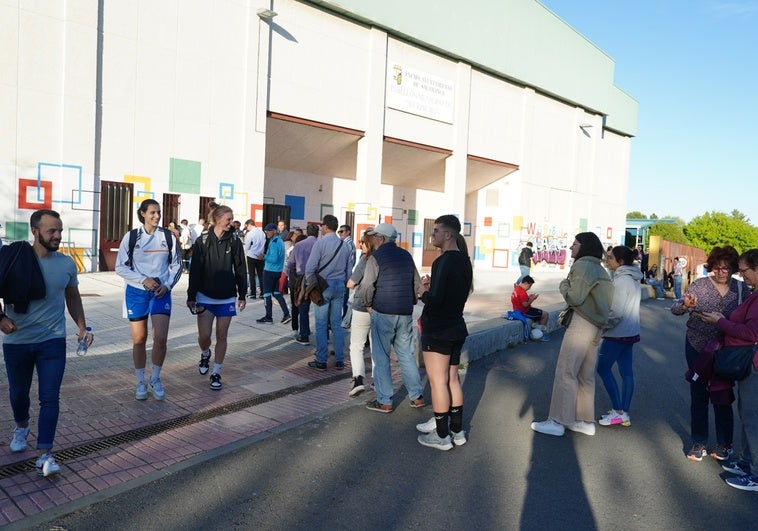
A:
[150,262]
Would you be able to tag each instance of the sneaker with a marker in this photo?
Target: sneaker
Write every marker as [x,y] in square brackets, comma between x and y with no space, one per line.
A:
[286,319]
[419,402]
[736,468]
[721,452]
[614,419]
[319,366]
[381,408]
[156,388]
[18,443]
[264,319]
[697,452]
[748,482]
[549,427]
[215,381]
[459,437]
[203,367]
[141,392]
[427,427]
[660,299]
[46,465]
[302,340]
[432,440]
[358,387]
[339,365]
[580,426]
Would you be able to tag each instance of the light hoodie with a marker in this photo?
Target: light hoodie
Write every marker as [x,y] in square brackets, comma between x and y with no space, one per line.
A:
[624,319]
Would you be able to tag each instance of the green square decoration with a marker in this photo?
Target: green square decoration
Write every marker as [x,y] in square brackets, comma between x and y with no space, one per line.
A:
[17,230]
[184,176]
[412,217]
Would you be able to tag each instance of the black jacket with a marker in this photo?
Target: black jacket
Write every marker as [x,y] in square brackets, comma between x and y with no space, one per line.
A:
[218,267]
[21,277]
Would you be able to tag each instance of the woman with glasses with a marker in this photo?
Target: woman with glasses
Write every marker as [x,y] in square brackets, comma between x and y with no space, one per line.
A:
[217,287]
[741,328]
[718,292]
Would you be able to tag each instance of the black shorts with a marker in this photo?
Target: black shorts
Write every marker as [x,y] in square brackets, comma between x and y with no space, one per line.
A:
[535,314]
[443,346]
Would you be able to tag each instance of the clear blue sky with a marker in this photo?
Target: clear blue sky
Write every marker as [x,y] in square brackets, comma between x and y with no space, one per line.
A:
[693,67]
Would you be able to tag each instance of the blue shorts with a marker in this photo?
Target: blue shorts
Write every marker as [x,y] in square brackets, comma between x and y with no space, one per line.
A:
[535,314]
[140,303]
[221,310]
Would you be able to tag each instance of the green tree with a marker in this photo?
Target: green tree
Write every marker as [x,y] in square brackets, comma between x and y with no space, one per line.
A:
[716,228]
[670,231]
[635,215]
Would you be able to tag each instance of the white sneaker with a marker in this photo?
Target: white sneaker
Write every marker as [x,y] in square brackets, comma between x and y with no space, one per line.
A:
[46,465]
[580,426]
[432,440]
[18,443]
[141,392]
[157,389]
[459,437]
[549,427]
[427,427]
[613,419]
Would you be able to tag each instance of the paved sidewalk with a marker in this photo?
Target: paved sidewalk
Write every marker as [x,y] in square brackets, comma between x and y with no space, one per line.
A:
[106,438]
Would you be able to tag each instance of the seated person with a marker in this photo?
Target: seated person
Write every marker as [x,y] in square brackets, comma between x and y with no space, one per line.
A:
[652,280]
[522,302]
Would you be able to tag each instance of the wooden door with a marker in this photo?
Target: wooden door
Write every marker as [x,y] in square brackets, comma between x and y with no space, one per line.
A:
[116,205]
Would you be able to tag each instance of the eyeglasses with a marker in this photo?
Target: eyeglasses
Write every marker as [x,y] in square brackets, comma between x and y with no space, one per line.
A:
[435,231]
[742,271]
[720,269]
[340,231]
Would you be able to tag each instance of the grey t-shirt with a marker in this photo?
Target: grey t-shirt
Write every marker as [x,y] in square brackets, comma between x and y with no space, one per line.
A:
[356,277]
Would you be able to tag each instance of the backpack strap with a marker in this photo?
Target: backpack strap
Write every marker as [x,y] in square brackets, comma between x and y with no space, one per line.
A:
[130,250]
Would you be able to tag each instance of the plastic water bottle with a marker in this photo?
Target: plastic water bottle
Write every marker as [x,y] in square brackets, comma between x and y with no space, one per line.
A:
[81,350]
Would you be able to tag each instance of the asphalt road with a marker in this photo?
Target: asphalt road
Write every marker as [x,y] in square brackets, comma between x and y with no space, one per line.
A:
[351,468]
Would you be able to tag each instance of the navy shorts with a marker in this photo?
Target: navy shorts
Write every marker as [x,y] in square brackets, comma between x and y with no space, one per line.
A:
[535,314]
[443,346]
[140,303]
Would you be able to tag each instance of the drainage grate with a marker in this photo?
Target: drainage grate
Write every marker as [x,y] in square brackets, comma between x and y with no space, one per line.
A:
[22,467]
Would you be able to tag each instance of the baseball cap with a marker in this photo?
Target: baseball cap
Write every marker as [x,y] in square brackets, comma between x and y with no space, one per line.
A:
[269,226]
[383,229]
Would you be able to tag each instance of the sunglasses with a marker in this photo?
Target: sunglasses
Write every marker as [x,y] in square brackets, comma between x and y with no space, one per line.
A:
[197,310]
[340,231]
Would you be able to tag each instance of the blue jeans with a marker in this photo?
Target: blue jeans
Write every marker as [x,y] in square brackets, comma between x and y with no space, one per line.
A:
[677,286]
[658,285]
[49,357]
[330,313]
[396,331]
[303,319]
[614,352]
[699,397]
[525,270]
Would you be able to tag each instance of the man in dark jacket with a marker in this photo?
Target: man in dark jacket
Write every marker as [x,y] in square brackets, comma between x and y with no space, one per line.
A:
[389,292]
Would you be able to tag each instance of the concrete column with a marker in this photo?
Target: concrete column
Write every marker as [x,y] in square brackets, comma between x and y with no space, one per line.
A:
[457,163]
[369,161]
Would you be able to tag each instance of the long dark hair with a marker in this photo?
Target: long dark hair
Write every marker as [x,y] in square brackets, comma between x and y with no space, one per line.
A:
[624,255]
[589,245]
[143,208]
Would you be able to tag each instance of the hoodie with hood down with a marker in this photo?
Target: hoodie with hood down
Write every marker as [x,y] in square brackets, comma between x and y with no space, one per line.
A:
[624,319]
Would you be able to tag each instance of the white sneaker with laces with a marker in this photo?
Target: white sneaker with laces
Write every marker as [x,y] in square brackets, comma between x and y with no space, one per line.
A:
[612,418]
[427,427]
[46,465]
[157,389]
[459,437]
[432,440]
[580,426]
[18,443]
[141,392]
[549,427]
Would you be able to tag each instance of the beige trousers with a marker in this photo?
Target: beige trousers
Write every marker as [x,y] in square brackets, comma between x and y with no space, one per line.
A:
[574,383]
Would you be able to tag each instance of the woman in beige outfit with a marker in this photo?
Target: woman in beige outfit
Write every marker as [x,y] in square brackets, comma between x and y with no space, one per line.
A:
[588,291]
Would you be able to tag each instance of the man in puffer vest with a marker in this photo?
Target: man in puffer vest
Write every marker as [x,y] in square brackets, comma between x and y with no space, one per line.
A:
[389,291]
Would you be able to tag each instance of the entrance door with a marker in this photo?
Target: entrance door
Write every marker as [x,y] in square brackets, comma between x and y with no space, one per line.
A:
[430,252]
[116,202]
[170,209]
[276,213]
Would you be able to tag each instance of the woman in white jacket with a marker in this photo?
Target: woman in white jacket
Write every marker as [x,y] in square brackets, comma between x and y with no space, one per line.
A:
[621,333]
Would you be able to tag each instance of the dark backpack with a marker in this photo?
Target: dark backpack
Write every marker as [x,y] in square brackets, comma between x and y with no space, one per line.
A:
[133,242]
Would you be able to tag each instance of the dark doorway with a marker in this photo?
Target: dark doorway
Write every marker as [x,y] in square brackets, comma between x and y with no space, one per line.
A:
[116,205]
[170,209]
[275,214]
[205,209]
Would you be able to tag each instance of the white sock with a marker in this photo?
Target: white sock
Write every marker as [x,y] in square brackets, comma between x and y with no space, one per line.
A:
[156,372]
[140,375]
[216,368]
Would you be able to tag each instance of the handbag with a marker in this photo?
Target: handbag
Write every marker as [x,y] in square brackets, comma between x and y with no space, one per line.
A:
[315,292]
[564,318]
[734,363]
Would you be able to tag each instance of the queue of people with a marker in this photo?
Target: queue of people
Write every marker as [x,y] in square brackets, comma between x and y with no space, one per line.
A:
[603,328]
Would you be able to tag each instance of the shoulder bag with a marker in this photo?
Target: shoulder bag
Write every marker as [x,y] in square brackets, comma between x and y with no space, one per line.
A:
[734,363]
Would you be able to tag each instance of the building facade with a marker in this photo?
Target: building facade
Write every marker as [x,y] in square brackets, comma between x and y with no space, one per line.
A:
[394,111]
